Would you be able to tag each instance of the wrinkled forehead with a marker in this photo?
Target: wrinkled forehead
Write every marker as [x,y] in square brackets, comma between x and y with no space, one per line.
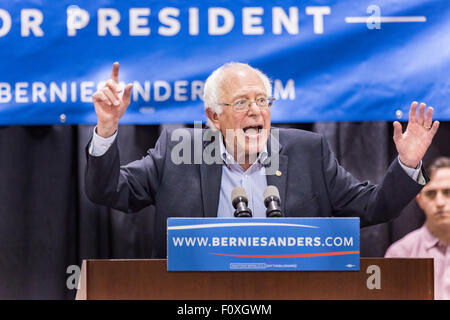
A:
[440,179]
[239,80]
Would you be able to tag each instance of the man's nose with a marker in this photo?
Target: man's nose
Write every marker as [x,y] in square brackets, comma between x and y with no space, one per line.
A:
[253,108]
[440,199]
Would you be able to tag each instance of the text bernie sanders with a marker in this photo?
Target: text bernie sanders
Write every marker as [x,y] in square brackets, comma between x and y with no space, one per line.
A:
[171,21]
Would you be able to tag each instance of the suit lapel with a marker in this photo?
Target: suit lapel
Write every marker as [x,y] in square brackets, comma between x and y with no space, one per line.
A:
[211,177]
[276,169]
[279,180]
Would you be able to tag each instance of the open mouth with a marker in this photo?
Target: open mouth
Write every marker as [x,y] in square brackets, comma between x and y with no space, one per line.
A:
[252,130]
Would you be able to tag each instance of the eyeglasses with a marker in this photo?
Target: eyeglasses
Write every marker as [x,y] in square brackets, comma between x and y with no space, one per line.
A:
[242,105]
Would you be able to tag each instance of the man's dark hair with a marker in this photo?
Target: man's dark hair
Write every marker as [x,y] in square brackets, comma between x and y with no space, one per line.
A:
[439,163]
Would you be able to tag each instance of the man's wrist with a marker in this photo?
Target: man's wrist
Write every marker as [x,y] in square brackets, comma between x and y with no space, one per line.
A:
[414,173]
[105,132]
[100,145]
[409,164]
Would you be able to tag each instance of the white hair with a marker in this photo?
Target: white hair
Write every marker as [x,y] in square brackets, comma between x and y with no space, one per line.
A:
[212,87]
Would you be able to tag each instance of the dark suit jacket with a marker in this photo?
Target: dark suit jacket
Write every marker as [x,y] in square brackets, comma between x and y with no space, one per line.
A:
[311,184]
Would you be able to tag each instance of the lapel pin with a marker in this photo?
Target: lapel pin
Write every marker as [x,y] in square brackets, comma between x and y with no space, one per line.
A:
[278,173]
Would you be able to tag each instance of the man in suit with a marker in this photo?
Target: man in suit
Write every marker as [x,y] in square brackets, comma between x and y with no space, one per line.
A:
[241,149]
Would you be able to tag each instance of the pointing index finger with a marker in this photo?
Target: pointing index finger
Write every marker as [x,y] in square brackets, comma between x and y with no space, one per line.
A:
[115,72]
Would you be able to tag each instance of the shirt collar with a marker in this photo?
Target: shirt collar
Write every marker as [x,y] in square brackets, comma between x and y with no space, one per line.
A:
[430,240]
[229,160]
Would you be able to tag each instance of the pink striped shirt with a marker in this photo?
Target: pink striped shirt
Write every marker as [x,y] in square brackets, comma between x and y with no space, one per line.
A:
[421,243]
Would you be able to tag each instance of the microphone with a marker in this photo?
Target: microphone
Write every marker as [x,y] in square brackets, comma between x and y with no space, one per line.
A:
[240,202]
[272,202]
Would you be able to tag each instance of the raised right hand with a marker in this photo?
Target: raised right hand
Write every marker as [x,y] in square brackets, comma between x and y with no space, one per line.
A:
[110,105]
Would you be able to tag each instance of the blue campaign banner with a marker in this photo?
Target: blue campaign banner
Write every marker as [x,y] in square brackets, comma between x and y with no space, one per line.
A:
[329,60]
[248,244]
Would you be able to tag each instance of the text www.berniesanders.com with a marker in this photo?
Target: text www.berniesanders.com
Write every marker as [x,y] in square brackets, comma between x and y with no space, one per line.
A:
[262,241]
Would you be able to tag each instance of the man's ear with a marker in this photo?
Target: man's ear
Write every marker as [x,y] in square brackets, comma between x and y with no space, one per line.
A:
[213,117]
[419,200]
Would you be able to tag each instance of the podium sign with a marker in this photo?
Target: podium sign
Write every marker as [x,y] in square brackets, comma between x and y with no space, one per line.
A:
[277,244]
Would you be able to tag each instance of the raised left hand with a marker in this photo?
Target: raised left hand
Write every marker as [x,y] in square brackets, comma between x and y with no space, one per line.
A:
[414,142]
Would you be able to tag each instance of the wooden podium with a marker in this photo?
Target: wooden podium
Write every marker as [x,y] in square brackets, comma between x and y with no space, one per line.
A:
[149,279]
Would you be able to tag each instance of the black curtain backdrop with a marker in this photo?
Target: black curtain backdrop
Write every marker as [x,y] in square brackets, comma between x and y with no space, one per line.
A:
[47,223]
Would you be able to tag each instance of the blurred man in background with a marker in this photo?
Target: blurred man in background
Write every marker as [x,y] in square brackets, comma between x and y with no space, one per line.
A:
[433,238]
